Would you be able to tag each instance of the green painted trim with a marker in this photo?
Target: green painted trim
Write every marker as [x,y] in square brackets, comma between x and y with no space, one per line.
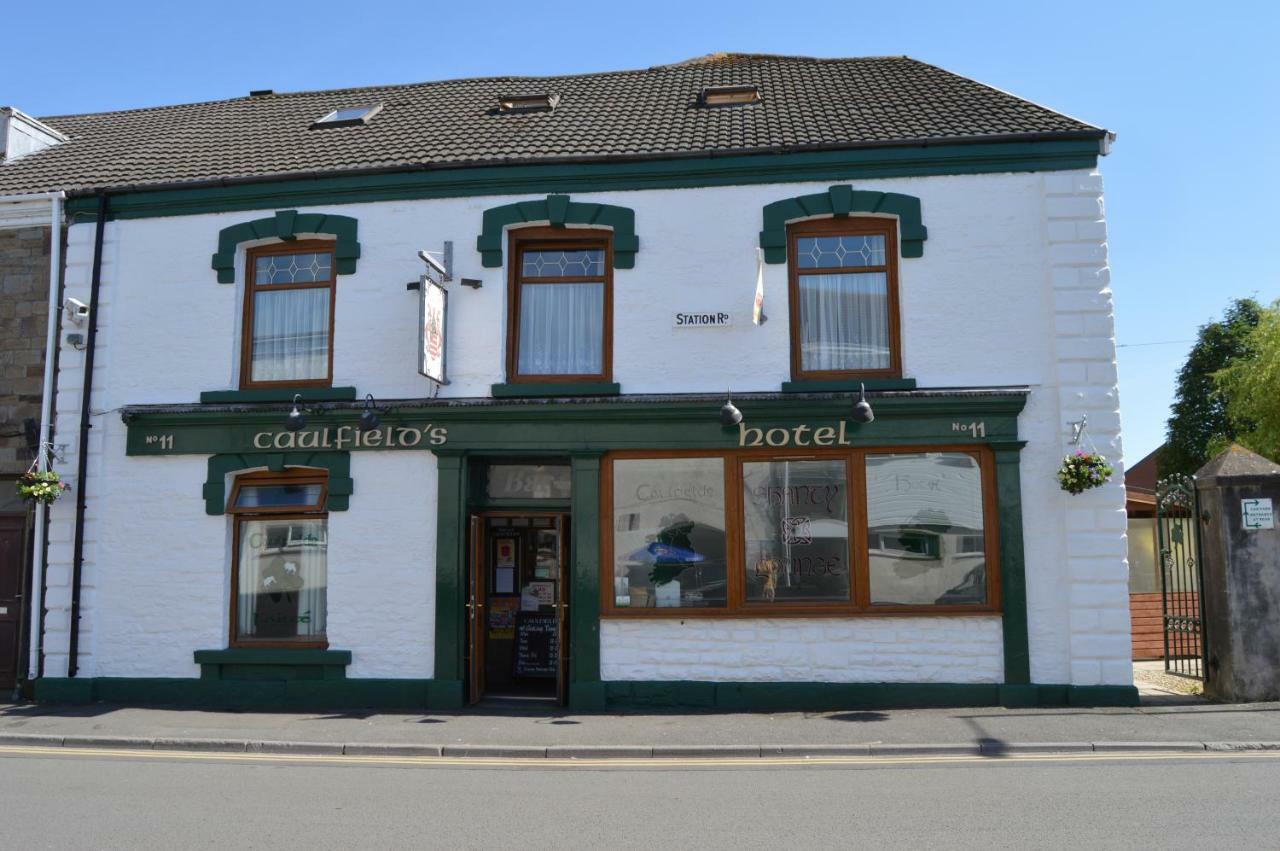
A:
[339,488]
[559,211]
[1102,695]
[245,663]
[308,394]
[272,656]
[515,391]
[584,600]
[614,175]
[452,531]
[850,385]
[287,225]
[642,695]
[263,694]
[840,201]
[796,697]
[1013,581]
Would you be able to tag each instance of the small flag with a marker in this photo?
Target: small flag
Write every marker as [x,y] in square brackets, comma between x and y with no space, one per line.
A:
[757,310]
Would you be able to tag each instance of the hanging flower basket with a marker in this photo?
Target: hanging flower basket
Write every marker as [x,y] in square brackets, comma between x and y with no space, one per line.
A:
[1083,471]
[45,487]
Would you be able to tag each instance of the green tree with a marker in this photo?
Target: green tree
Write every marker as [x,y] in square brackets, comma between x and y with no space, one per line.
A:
[1198,419]
[1251,387]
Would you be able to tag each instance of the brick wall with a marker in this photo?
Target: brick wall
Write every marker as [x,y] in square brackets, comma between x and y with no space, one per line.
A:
[24,303]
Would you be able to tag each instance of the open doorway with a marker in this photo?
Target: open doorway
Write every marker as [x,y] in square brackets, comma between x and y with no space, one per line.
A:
[517,607]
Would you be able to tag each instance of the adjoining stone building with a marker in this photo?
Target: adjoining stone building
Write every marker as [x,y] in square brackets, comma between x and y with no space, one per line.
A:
[281,508]
[26,256]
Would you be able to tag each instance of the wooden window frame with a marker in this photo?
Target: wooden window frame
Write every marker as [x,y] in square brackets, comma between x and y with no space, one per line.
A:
[553,239]
[859,604]
[296,476]
[311,246]
[851,226]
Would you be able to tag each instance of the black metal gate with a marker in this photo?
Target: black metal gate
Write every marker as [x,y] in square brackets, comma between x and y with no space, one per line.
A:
[1177,515]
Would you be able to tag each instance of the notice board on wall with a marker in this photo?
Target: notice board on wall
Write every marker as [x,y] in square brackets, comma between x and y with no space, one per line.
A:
[537,645]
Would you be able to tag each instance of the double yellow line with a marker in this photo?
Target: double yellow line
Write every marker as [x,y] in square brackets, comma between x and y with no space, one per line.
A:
[646,763]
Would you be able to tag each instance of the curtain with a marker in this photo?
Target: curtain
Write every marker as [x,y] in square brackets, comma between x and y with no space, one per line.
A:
[844,321]
[561,329]
[290,334]
[282,577]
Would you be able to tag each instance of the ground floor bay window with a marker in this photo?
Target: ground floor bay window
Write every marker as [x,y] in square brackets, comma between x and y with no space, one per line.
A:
[770,533]
[279,567]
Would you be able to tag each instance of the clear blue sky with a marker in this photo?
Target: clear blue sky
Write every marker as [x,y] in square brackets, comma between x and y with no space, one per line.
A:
[1192,89]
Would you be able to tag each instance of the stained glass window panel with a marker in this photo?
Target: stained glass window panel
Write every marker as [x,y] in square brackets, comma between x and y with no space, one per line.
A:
[562,264]
[834,252]
[293,268]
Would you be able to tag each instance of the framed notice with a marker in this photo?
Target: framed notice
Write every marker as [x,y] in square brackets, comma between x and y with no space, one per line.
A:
[433,309]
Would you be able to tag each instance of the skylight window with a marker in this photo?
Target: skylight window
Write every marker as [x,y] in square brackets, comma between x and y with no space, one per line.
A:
[347,116]
[528,103]
[729,95]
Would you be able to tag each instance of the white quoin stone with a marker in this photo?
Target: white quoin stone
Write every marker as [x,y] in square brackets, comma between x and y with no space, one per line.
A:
[1013,289]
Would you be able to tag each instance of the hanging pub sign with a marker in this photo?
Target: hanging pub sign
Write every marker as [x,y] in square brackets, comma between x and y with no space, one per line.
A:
[433,308]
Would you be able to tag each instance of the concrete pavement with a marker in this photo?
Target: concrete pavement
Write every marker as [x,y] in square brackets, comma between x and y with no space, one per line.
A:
[536,733]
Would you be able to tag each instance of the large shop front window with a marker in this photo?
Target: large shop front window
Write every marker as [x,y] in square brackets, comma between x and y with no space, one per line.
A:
[844,298]
[560,306]
[288,315]
[833,532]
[279,569]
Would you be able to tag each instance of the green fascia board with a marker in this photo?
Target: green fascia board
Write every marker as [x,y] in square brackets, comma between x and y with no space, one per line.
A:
[612,175]
[278,394]
[848,385]
[559,211]
[516,391]
[339,488]
[287,225]
[840,202]
[558,426]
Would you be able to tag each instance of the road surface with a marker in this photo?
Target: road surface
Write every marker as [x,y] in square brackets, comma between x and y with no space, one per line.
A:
[68,799]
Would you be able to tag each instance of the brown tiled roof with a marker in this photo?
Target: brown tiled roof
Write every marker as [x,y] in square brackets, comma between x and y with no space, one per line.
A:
[806,104]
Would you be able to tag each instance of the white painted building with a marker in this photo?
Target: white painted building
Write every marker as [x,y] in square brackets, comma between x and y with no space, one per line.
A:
[567,517]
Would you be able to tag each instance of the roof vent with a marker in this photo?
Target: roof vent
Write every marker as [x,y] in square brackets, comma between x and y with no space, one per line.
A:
[261,93]
[729,95]
[528,103]
[347,116]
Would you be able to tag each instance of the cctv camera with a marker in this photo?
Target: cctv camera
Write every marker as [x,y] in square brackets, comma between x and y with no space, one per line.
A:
[76,310]
[434,264]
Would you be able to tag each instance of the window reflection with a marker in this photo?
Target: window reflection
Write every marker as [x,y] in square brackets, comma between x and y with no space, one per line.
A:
[669,533]
[925,529]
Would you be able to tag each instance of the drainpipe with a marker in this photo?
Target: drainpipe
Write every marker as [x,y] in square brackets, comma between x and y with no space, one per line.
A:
[82,458]
[36,583]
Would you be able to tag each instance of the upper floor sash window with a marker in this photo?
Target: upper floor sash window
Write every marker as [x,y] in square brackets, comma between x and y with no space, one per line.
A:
[844,298]
[288,315]
[560,308]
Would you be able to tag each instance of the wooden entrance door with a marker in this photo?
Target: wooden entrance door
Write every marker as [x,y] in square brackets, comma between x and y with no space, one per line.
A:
[13,540]
[475,612]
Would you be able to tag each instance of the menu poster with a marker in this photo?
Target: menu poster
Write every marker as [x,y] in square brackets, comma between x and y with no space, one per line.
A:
[537,645]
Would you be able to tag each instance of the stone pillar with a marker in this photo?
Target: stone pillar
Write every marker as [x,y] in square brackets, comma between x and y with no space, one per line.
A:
[1241,575]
